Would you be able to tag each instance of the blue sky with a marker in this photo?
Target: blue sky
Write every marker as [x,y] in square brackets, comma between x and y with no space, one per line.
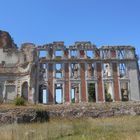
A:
[103,22]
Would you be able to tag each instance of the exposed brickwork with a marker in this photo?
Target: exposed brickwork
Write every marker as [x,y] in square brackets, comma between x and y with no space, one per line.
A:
[50,82]
[97,54]
[83,83]
[113,53]
[116,84]
[67,91]
[36,65]
[99,87]
[82,53]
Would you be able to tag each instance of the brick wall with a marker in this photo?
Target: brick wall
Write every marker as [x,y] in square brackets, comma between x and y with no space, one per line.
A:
[83,83]
[99,87]
[50,82]
[67,91]
[116,84]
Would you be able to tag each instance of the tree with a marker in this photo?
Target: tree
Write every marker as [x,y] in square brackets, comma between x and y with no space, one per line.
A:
[91,92]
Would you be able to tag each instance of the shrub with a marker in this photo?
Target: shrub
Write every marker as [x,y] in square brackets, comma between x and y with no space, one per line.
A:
[108,97]
[73,100]
[19,101]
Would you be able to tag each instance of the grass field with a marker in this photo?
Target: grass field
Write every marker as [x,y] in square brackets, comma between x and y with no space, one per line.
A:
[117,128]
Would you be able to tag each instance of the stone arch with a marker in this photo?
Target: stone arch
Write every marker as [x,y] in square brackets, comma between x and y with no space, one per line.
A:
[24,93]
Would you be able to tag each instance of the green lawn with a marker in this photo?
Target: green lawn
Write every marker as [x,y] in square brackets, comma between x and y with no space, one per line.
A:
[117,128]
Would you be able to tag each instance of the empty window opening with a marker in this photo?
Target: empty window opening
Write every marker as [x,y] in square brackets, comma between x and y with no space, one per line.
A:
[25,90]
[74,53]
[124,91]
[89,54]
[121,54]
[42,54]
[75,70]
[122,70]
[44,66]
[58,94]
[43,71]
[91,92]
[107,70]
[108,91]
[58,70]
[91,70]
[74,92]
[58,53]
[105,54]
[43,94]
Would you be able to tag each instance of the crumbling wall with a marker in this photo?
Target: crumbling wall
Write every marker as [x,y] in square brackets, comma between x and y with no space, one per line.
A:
[16,68]
[113,70]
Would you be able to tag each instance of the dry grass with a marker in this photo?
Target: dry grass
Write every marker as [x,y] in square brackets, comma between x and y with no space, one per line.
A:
[117,128]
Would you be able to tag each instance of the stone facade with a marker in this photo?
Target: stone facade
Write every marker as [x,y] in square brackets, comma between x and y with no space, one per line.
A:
[55,73]
[17,69]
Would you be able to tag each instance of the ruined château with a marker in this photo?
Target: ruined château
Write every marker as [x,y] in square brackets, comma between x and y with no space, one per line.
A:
[55,73]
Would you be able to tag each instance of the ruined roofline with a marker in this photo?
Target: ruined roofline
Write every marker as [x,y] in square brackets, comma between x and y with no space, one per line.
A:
[117,47]
[27,45]
[7,43]
[76,46]
[84,45]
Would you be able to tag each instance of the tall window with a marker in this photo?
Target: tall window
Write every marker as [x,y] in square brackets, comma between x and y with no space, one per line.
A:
[121,54]
[105,54]
[124,91]
[58,53]
[75,70]
[107,71]
[42,53]
[74,53]
[43,71]
[59,93]
[75,91]
[90,54]
[90,70]
[58,70]
[122,70]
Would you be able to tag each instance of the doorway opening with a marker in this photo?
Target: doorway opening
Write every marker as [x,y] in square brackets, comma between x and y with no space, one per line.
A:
[58,93]
[24,93]
[124,91]
[91,92]
[43,94]
[75,92]
[108,91]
